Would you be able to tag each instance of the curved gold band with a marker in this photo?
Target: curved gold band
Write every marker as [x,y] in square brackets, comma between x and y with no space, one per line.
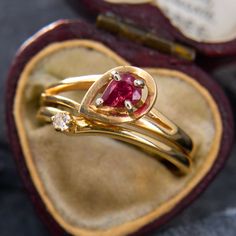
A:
[153,146]
[154,121]
[153,132]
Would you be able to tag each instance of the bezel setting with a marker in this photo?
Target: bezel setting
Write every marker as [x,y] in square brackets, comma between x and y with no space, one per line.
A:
[93,105]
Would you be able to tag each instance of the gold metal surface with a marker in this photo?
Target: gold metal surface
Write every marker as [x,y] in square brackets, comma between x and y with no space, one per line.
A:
[154,146]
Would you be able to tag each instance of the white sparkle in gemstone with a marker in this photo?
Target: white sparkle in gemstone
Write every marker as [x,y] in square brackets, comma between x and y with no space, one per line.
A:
[61,121]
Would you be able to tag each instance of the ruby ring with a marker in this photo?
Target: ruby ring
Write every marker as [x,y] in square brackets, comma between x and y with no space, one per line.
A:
[118,104]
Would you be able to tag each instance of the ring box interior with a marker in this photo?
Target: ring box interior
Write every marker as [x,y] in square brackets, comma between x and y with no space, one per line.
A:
[203,26]
[92,185]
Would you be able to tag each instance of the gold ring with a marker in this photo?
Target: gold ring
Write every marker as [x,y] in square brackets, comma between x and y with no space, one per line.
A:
[118,104]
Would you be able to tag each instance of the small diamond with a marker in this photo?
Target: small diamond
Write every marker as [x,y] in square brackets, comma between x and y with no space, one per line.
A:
[61,121]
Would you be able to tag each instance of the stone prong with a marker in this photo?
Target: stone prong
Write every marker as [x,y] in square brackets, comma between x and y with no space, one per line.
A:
[58,129]
[129,106]
[115,75]
[139,83]
[99,102]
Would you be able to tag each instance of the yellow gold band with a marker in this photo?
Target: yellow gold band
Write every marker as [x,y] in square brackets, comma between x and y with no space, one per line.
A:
[151,130]
[154,146]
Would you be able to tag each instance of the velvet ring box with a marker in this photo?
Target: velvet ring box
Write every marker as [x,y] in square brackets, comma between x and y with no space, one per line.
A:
[88,185]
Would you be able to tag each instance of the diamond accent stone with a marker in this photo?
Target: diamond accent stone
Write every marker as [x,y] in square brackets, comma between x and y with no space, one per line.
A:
[61,121]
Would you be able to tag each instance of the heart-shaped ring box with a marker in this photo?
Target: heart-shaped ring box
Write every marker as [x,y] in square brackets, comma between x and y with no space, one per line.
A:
[90,185]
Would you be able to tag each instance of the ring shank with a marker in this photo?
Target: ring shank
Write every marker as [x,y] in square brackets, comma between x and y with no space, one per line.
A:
[153,122]
[153,132]
[154,146]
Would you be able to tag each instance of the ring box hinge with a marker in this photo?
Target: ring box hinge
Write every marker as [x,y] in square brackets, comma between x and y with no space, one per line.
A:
[116,25]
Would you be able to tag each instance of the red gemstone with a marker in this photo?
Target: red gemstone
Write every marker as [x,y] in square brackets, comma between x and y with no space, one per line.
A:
[117,92]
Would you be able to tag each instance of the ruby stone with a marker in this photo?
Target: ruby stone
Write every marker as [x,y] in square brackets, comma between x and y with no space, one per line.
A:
[117,92]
